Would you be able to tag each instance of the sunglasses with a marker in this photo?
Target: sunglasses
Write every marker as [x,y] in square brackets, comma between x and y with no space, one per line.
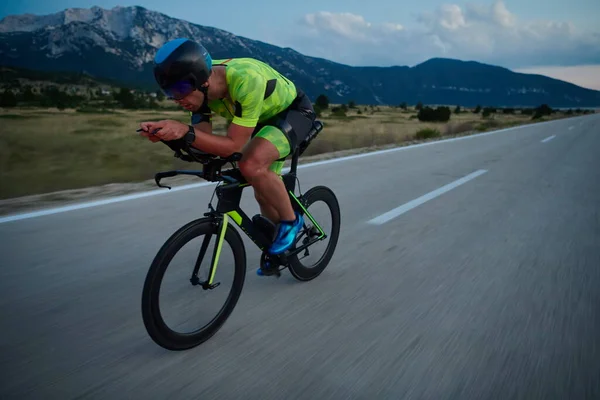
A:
[179,90]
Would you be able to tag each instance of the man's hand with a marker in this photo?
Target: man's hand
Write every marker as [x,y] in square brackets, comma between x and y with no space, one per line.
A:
[165,130]
[150,136]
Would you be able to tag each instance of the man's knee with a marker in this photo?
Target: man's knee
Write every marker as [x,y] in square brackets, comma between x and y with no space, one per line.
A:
[256,161]
[254,166]
[251,168]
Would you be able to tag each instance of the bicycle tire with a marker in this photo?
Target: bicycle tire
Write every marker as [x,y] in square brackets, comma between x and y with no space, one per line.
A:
[318,193]
[156,327]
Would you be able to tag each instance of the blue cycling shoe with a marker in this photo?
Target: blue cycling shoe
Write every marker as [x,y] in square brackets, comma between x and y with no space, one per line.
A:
[286,235]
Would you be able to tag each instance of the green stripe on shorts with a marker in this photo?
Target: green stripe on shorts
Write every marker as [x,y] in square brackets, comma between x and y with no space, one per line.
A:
[278,138]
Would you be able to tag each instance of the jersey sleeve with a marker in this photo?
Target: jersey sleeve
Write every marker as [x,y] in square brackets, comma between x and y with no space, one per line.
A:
[248,91]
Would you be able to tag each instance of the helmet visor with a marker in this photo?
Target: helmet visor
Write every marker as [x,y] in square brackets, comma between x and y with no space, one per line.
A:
[179,90]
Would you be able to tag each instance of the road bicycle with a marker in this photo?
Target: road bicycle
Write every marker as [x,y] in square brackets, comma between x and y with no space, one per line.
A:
[217,222]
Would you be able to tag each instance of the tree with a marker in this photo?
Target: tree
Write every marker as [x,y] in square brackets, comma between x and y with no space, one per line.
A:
[440,114]
[53,97]
[339,111]
[28,95]
[8,99]
[487,111]
[541,111]
[125,98]
[322,102]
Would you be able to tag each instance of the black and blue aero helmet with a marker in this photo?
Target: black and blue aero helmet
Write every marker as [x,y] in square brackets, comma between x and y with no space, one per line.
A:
[180,66]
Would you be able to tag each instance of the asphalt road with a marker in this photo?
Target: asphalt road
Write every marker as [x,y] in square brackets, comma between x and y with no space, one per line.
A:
[486,289]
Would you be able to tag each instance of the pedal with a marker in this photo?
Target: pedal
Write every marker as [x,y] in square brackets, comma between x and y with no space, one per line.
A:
[270,272]
[268,267]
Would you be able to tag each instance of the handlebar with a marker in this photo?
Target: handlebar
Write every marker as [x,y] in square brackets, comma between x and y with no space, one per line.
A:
[230,176]
[212,164]
[227,176]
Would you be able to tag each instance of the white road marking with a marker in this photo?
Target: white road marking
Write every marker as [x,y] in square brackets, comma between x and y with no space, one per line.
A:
[116,199]
[383,218]
[571,128]
[549,138]
[414,146]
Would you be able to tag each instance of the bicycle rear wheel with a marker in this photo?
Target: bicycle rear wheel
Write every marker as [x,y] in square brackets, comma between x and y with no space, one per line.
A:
[207,229]
[314,195]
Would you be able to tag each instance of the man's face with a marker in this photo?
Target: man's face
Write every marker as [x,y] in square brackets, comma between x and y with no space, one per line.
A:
[192,101]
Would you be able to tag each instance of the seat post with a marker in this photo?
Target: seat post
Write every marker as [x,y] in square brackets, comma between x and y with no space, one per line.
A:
[294,165]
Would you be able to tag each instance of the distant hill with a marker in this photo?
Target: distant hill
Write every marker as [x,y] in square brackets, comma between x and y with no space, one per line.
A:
[8,74]
[118,45]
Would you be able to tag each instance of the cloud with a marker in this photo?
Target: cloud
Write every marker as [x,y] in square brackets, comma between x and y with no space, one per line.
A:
[347,25]
[484,32]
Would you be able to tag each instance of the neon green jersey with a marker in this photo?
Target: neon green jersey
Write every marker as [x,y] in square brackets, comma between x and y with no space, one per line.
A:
[258,92]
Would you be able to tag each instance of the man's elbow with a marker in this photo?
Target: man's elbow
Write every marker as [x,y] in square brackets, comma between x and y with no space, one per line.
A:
[238,137]
[235,147]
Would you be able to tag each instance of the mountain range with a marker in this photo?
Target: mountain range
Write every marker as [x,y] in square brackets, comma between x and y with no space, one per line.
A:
[119,44]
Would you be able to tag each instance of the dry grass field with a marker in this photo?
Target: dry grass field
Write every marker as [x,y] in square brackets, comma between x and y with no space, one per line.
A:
[47,150]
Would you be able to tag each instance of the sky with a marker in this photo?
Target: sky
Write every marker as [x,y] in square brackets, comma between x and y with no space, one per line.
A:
[556,38]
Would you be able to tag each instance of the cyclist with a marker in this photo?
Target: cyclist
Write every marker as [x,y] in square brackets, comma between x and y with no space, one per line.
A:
[268,117]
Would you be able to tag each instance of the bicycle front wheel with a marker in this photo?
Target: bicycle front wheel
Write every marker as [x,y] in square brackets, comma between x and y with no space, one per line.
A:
[197,276]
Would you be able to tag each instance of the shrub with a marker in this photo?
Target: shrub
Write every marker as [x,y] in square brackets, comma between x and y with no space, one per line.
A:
[455,129]
[427,133]
[440,114]
[339,111]
[541,111]
[8,99]
[488,125]
[527,111]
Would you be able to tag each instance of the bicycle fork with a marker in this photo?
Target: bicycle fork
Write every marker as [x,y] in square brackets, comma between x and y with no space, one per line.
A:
[208,284]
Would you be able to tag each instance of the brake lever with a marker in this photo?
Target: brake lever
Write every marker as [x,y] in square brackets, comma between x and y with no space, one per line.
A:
[161,175]
[161,185]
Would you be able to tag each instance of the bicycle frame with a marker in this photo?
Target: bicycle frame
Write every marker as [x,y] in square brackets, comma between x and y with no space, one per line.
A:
[229,204]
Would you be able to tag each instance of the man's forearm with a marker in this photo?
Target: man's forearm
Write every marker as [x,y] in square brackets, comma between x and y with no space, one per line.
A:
[215,144]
